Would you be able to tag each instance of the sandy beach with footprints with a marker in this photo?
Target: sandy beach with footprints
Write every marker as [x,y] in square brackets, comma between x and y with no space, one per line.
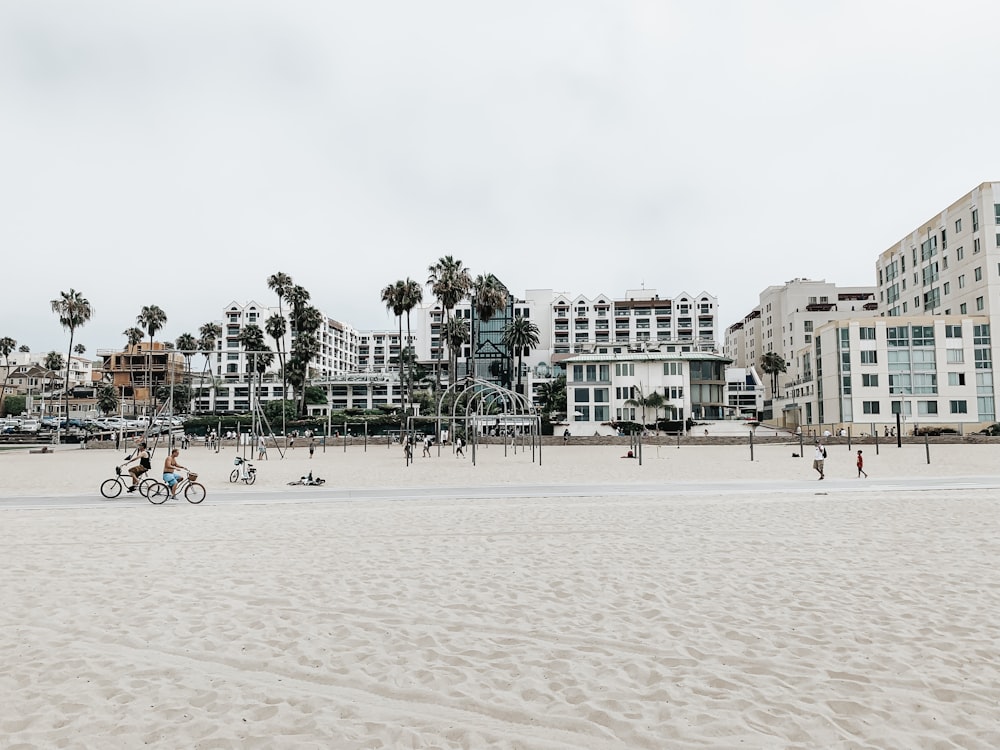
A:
[700,600]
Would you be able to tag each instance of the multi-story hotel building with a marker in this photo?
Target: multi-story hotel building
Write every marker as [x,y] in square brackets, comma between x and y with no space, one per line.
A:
[929,355]
[786,320]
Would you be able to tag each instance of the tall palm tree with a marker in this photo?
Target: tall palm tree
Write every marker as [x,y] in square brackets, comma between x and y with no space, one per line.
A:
[133,336]
[488,297]
[7,346]
[450,282]
[412,295]
[187,345]
[208,333]
[393,296]
[80,349]
[74,311]
[259,357]
[519,336]
[279,283]
[152,318]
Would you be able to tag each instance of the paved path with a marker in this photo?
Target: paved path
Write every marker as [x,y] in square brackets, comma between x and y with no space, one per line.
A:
[522,491]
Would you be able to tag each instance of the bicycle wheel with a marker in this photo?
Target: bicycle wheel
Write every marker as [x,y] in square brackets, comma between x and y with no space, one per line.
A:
[251,477]
[111,488]
[145,485]
[194,492]
[234,475]
[158,493]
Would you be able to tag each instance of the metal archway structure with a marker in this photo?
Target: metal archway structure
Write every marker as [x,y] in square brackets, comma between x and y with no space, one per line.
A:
[477,405]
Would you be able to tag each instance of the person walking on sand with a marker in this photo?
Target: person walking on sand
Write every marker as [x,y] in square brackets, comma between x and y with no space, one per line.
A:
[261,447]
[427,447]
[861,466]
[460,447]
[312,448]
[818,458]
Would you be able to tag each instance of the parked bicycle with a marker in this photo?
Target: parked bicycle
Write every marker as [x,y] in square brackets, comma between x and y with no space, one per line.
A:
[194,491]
[112,488]
[245,471]
[309,481]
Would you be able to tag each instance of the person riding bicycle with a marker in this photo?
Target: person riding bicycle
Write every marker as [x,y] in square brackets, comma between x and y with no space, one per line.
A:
[142,456]
[170,476]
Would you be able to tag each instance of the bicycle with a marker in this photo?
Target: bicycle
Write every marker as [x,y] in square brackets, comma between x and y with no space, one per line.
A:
[309,481]
[246,471]
[194,491]
[112,488]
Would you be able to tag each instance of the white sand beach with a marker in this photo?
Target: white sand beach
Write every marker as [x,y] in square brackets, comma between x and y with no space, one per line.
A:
[744,604]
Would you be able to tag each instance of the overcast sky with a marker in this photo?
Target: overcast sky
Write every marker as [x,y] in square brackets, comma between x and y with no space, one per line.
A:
[177,153]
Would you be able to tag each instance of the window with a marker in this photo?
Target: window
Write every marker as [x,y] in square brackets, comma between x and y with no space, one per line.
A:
[947,288]
[869,380]
[963,308]
[897,335]
[979,303]
[926,408]
[869,357]
[956,378]
[975,220]
[867,333]
[979,273]
[602,413]
[952,332]
[959,254]
[923,335]
[627,369]
[870,407]
[601,395]
[582,414]
[975,245]
[961,281]
[958,407]
[807,325]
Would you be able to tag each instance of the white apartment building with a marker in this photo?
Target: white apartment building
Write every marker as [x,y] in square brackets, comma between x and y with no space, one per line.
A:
[786,319]
[343,349]
[929,354]
[599,387]
[571,324]
[950,264]
[932,370]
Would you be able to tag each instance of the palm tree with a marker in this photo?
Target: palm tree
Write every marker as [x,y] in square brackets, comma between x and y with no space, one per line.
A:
[187,345]
[24,348]
[520,335]
[393,296]
[259,357]
[152,318]
[489,297]
[773,364]
[553,396]
[7,345]
[450,282]
[107,398]
[456,333]
[80,349]
[74,311]
[54,361]
[207,335]
[642,401]
[412,295]
[279,283]
[133,336]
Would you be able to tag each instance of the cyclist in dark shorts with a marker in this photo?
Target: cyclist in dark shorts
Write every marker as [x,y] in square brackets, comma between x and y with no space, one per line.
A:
[141,455]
